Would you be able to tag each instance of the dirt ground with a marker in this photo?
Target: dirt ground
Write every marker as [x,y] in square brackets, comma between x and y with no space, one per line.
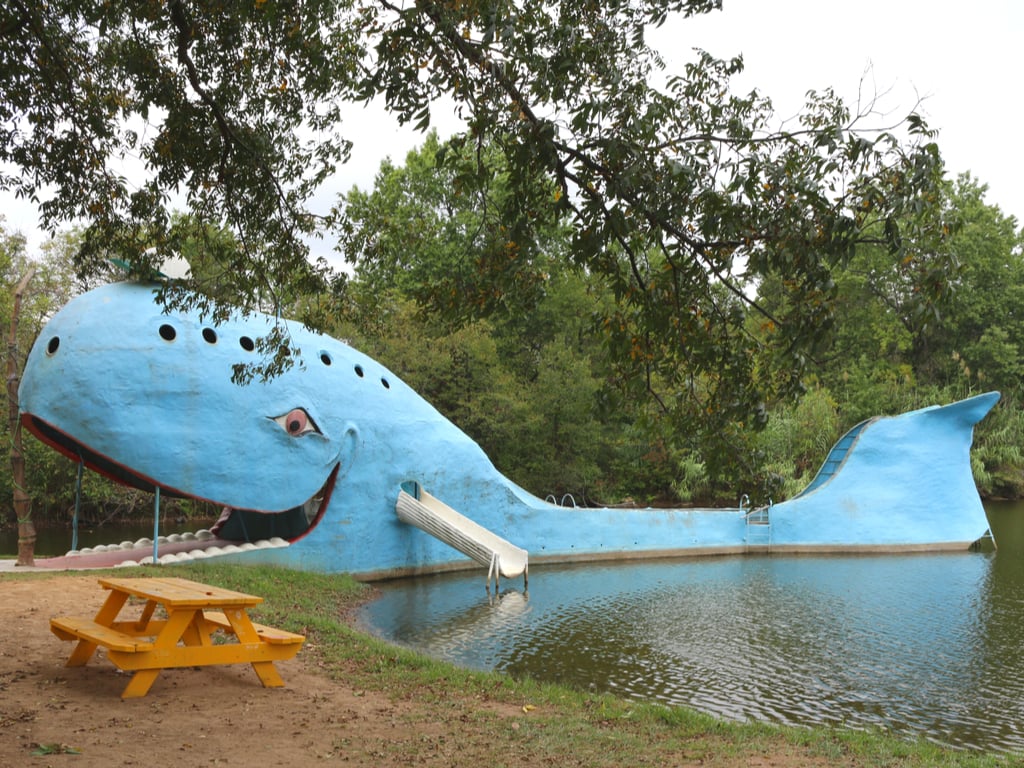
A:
[190,717]
[52,715]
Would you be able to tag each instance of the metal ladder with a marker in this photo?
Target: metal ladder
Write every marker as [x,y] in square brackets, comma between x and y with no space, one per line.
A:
[759,526]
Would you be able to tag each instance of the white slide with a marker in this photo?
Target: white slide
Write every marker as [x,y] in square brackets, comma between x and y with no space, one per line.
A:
[441,521]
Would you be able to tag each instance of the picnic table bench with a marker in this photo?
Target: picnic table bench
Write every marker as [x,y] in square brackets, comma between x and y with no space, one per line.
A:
[200,625]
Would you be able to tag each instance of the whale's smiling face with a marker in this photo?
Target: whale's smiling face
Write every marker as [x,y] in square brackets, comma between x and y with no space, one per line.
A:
[147,399]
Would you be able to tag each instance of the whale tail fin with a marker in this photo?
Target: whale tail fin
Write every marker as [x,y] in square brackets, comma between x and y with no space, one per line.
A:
[964,414]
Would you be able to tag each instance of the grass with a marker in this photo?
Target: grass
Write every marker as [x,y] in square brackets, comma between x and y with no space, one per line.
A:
[43,750]
[564,727]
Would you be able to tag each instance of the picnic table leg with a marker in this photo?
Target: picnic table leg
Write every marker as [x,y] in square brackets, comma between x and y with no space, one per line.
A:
[105,615]
[268,674]
[140,683]
[80,656]
[197,633]
[242,626]
[146,616]
[178,623]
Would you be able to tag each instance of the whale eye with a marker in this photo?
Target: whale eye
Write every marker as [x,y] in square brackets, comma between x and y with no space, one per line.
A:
[297,423]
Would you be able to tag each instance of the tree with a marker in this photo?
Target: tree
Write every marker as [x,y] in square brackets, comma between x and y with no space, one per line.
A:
[885,333]
[22,501]
[680,194]
[529,382]
[19,309]
[40,482]
[437,229]
[981,328]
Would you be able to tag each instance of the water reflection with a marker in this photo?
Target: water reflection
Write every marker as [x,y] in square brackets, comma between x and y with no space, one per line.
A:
[917,644]
[56,540]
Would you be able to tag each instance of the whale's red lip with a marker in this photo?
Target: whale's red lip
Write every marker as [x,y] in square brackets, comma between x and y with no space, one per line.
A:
[122,474]
[79,452]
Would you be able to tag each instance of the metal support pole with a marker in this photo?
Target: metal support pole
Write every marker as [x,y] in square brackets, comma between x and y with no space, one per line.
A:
[78,506]
[156,526]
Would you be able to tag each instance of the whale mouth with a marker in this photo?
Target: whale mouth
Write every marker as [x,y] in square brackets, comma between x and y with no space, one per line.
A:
[237,530]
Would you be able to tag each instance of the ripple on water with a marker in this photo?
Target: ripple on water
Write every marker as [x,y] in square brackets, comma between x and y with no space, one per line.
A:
[925,645]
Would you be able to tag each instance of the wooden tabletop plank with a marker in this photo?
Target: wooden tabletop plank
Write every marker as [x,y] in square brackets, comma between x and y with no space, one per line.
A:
[179,593]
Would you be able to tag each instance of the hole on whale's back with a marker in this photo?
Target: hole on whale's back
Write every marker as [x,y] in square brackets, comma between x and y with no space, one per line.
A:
[53,345]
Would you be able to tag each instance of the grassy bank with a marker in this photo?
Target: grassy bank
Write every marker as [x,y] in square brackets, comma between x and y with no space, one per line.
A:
[523,722]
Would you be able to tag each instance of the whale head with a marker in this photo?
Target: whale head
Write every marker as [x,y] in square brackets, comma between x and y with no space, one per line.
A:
[147,398]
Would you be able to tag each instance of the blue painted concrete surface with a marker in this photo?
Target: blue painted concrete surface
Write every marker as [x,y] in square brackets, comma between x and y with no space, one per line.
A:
[147,398]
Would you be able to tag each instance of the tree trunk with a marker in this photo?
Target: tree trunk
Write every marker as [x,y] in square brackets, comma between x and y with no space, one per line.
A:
[22,502]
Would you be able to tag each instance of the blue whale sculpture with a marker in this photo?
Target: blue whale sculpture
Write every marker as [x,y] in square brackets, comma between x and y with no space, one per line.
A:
[337,465]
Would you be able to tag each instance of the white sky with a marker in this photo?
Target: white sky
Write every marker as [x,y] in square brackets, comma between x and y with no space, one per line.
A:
[963,60]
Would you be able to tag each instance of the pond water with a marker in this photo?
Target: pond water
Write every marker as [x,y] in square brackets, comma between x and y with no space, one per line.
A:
[56,540]
[921,644]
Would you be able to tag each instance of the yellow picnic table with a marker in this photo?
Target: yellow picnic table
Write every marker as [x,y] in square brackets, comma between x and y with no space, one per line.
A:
[181,635]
